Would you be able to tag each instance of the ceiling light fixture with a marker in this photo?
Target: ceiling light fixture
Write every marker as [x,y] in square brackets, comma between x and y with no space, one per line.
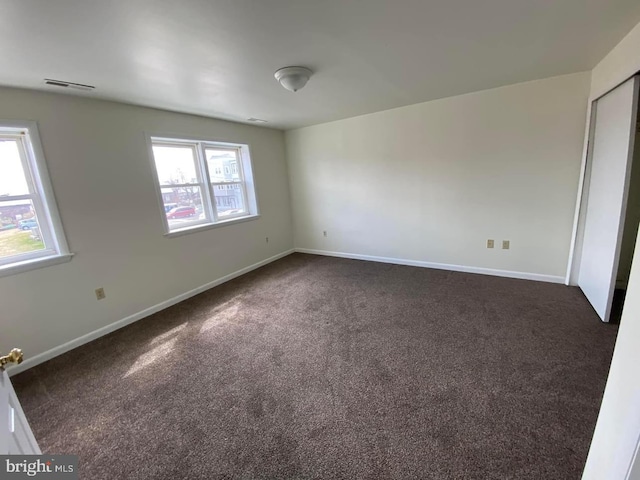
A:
[293,78]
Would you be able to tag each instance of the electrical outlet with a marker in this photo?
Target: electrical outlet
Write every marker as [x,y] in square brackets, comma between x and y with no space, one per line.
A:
[100,293]
[505,244]
[489,243]
[324,233]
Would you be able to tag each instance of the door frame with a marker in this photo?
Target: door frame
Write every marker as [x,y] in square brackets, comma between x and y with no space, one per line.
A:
[582,197]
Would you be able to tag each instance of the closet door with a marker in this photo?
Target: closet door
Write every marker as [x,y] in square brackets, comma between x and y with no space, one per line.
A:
[608,186]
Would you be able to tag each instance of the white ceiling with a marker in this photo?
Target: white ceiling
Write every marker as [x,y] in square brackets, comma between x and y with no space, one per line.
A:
[217,57]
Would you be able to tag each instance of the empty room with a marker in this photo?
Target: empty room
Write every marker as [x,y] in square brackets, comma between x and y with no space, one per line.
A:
[298,239]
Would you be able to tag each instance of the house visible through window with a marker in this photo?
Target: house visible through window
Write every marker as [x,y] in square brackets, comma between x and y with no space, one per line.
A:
[30,230]
[202,183]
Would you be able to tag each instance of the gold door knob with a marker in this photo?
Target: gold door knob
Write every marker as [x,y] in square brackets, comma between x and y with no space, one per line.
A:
[15,356]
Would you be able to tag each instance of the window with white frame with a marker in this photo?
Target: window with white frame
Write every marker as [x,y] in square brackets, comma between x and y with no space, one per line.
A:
[202,183]
[30,230]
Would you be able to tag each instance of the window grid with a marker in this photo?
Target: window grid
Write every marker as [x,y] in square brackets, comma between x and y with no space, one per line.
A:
[214,209]
[236,168]
[31,213]
[8,200]
[199,184]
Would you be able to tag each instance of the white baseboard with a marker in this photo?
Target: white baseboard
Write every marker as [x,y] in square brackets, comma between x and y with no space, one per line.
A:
[65,347]
[440,266]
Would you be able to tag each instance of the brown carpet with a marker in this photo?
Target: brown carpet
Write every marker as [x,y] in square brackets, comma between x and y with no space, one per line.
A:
[317,367]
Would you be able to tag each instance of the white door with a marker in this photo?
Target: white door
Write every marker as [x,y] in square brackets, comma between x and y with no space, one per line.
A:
[16,437]
[613,138]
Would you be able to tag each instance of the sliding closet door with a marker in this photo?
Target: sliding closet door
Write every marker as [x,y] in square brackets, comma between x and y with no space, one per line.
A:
[612,152]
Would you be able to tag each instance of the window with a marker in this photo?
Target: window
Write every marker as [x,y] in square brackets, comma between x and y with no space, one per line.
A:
[202,184]
[30,230]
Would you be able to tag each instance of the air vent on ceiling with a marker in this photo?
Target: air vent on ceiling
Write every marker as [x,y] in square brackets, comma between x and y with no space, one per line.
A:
[65,84]
[256,120]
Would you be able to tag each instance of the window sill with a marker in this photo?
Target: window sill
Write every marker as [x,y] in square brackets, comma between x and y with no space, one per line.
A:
[209,226]
[33,264]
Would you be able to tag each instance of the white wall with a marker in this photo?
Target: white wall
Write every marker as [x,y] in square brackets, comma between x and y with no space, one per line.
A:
[618,427]
[621,63]
[101,174]
[432,182]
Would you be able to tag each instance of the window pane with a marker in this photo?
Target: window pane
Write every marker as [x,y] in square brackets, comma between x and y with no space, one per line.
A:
[19,229]
[183,206]
[175,164]
[223,165]
[12,177]
[229,200]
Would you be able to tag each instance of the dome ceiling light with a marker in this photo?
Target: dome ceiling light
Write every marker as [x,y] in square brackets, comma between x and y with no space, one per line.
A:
[293,78]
